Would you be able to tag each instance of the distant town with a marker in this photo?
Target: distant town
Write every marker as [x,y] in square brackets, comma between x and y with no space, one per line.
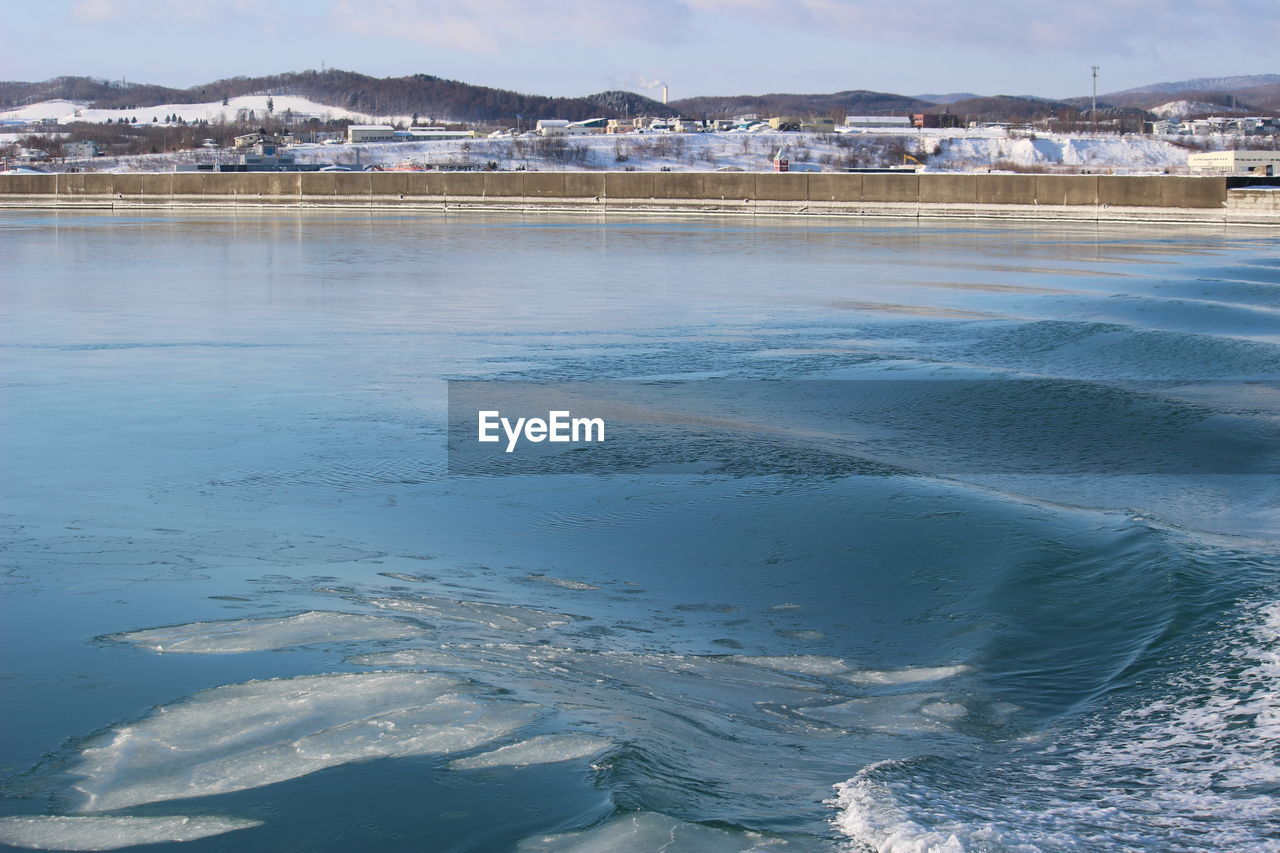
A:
[425,124]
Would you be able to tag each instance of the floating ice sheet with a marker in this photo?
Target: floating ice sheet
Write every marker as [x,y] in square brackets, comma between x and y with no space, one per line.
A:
[897,714]
[409,657]
[906,675]
[651,831]
[46,832]
[246,735]
[254,635]
[543,749]
[501,617]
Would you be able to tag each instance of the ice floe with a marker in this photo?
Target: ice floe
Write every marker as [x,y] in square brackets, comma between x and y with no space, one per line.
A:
[246,735]
[563,582]
[48,832]
[255,635]
[651,831]
[500,617]
[906,675]
[901,714]
[409,657]
[543,749]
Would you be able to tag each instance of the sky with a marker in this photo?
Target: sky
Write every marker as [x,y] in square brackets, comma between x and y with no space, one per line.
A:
[697,47]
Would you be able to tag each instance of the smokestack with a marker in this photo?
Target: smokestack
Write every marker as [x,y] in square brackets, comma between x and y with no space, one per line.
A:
[664,93]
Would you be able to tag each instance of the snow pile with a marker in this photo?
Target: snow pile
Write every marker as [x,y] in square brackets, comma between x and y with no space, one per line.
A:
[254,635]
[247,735]
[45,832]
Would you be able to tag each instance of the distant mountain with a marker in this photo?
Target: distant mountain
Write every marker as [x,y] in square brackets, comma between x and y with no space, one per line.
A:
[419,94]
[950,98]
[836,105]
[1247,81]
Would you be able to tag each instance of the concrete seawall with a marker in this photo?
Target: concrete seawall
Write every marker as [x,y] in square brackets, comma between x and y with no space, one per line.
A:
[1069,197]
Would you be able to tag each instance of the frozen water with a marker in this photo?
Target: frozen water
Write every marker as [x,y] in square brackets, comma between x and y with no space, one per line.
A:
[246,735]
[898,714]
[409,657]
[543,749]
[906,675]
[46,832]
[501,617]
[254,635]
[651,831]
[805,664]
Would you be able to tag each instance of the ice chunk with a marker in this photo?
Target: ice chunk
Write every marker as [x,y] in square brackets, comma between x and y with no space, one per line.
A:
[563,582]
[804,664]
[543,749]
[651,831]
[246,735]
[254,635]
[896,714]
[906,675]
[45,832]
[501,617]
[409,657]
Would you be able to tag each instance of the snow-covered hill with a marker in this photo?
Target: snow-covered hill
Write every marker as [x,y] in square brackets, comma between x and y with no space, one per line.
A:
[247,107]
[1182,109]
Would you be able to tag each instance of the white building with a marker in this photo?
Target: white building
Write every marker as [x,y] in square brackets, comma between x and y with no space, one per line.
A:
[371,133]
[552,127]
[1264,163]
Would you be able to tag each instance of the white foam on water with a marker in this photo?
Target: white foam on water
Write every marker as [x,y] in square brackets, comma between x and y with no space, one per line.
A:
[906,675]
[501,617]
[46,832]
[651,832]
[409,657]
[255,635]
[543,749]
[247,735]
[1195,769]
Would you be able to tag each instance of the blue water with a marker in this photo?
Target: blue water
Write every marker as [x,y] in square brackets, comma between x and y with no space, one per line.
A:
[242,417]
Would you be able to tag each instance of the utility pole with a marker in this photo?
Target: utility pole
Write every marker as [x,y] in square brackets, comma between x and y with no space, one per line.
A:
[1094,111]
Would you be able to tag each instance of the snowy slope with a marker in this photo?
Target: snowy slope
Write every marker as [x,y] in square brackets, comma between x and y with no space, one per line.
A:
[214,111]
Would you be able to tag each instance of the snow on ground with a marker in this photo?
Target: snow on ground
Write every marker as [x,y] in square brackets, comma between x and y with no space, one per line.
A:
[214,112]
[942,150]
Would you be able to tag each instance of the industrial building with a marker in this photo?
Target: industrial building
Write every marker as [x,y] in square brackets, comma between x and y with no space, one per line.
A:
[1260,163]
[878,121]
[807,125]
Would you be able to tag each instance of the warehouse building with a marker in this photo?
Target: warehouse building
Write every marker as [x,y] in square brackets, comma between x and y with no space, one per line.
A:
[1260,163]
